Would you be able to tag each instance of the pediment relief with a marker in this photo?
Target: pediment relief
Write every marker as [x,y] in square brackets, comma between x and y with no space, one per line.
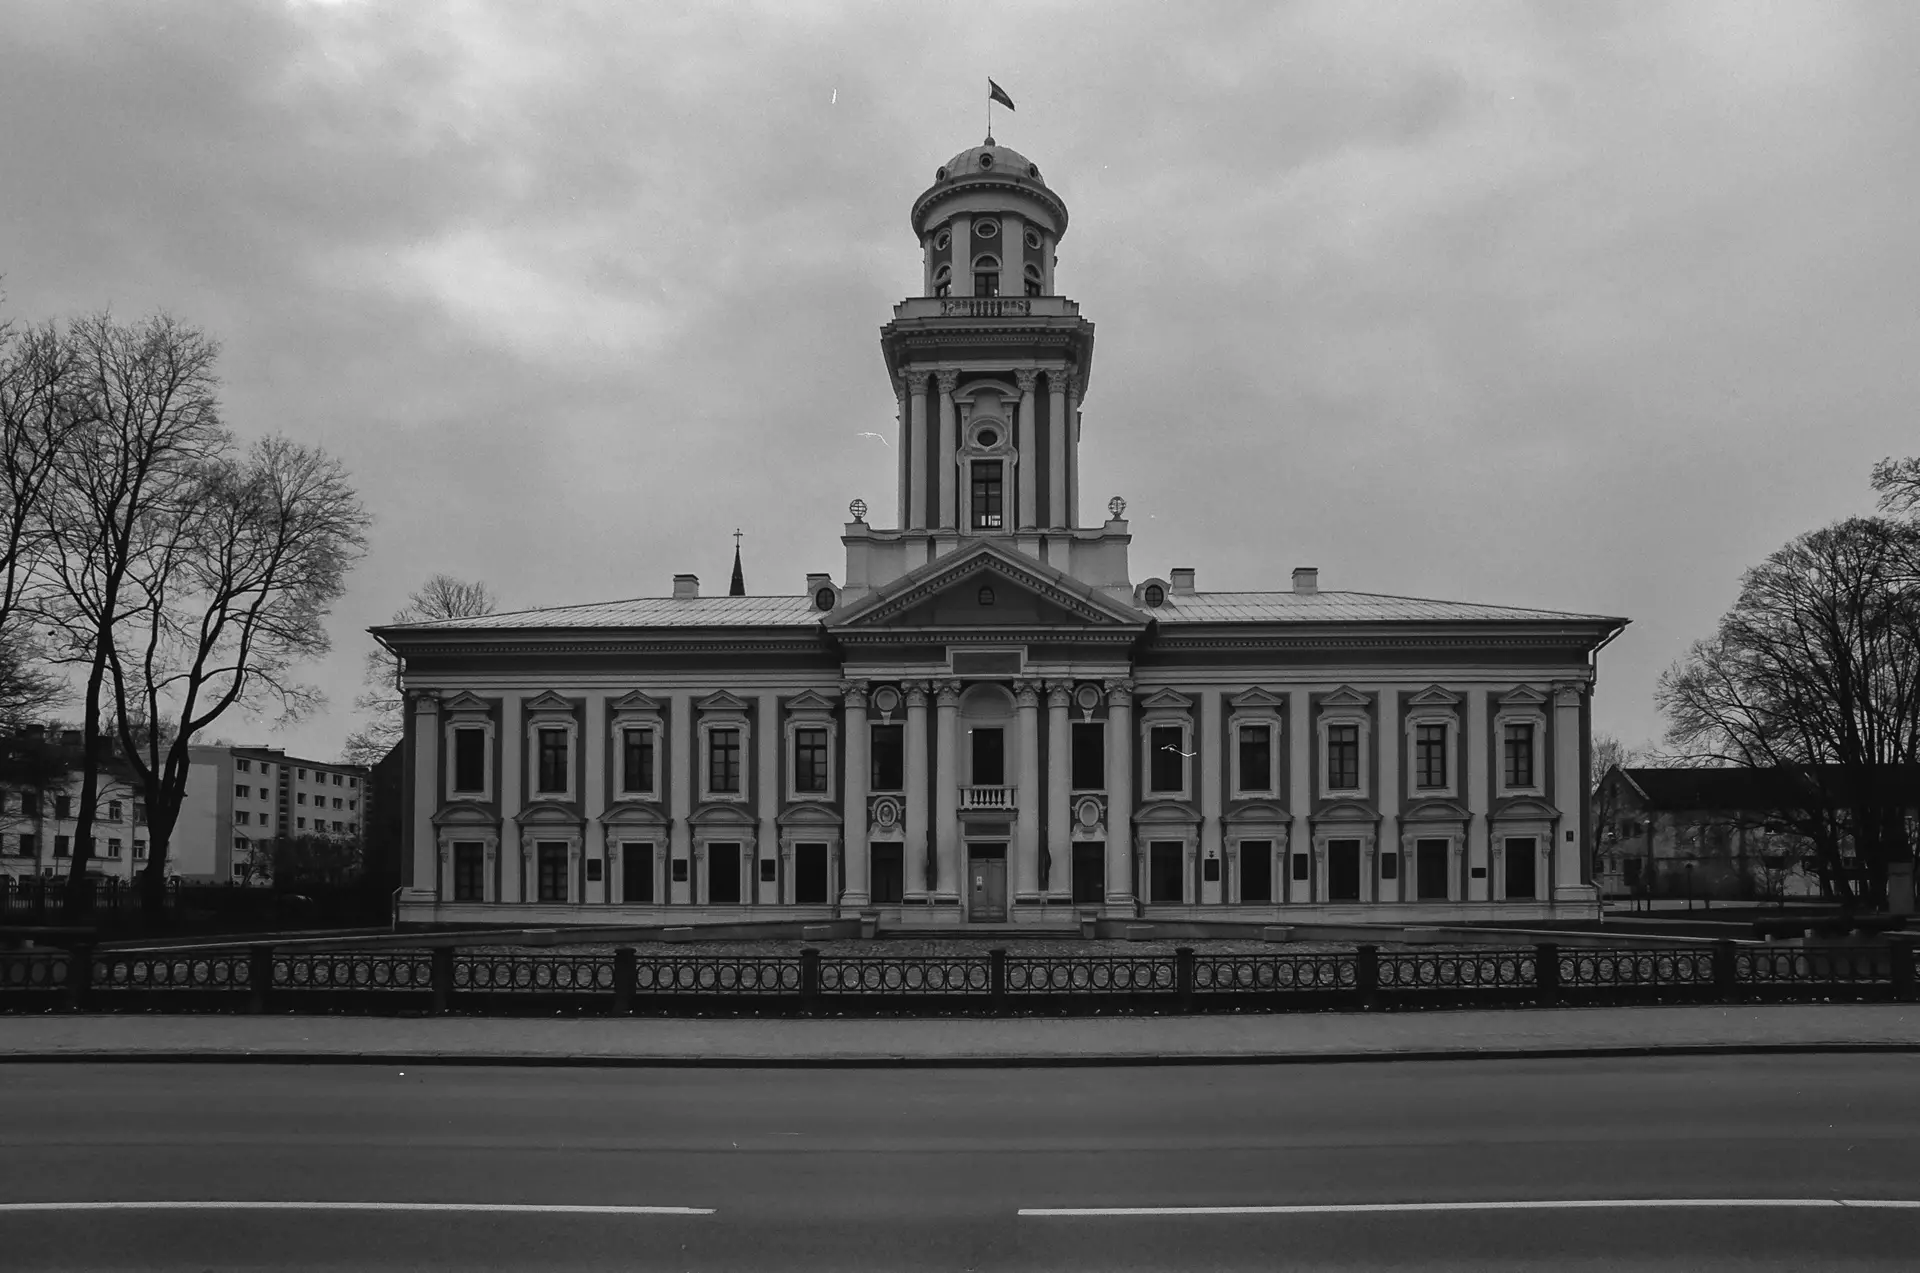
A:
[550,813]
[467,813]
[717,814]
[1165,700]
[466,703]
[1346,696]
[1257,698]
[637,703]
[550,704]
[722,701]
[810,701]
[1434,696]
[1435,811]
[1523,696]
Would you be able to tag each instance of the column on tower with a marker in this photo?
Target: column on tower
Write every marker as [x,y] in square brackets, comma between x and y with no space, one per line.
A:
[904,432]
[1027,822]
[963,256]
[1120,794]
[854,816]
[1027,472]
[946,790]
[1059,786]
[914,827]
[1057,426]
[1076,386]
[949,449]
[917,448]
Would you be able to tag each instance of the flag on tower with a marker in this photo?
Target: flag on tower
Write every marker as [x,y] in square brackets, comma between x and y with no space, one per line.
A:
[997,94]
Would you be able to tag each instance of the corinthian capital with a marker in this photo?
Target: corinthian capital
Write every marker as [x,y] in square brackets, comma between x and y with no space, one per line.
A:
[1026,378]
[1119,693]
[949,694]
[949,380]
[855,693]
[1026,695]
[917,378]
[1059,693]
[916,693]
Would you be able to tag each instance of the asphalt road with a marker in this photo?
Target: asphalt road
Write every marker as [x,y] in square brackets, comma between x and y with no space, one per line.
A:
[931,1169]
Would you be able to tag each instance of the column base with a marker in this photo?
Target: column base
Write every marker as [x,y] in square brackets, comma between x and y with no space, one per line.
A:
[854,900]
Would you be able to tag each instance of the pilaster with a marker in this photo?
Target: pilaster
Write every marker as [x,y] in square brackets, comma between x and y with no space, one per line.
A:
[514,874]
[1212,745]
[1387,793]
[426,794]
[1057,428]
[949,448]
[1473,777]
[915,452]
[1120,794]
[1028,470]
[1027,821]
[680,771]
[914,822]
[946,791]
[1300,768]
[1059,845]
[857,773]
[593,792]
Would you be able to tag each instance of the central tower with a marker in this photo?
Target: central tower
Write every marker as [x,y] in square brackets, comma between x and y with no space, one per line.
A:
[989,361]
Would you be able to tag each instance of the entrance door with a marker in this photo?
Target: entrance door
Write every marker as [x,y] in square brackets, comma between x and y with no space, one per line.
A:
[1430,865]
[636,873]
[1089,872]
[1256,870]
[1343,870]
[810,874]
[723,874]
[1164,871]
[1520,869]
[987,884]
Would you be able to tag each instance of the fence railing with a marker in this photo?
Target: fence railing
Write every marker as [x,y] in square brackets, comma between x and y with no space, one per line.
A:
[261,979]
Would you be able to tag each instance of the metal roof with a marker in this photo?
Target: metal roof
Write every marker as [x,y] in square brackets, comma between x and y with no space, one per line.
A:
[641,612]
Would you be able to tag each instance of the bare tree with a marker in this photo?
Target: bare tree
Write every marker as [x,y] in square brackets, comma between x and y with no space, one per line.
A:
[1898,482]
[150,426]
[1815,674]
[229,595]
[441,597]
[1607,753]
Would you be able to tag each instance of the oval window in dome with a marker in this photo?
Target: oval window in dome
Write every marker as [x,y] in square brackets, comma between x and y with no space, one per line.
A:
[1033,170]
[1156,596]
[985,229]
[940,174]
[823,599]
[1033,239]
[942,241]
[986,160]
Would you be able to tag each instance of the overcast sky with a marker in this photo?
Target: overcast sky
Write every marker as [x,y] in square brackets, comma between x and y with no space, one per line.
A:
[1565,305]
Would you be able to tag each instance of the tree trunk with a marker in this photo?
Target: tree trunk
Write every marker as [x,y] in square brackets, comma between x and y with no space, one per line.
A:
[77,896]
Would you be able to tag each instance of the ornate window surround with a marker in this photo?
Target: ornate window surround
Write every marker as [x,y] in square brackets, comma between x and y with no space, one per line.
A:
[552,711]
[1250,708]
[468,711]
[1344,706]
[811,709]
[617,841]
[723,711]
[448,837]
[1411,833]
[1162,709]
[1367,832]
[531,838]
[704,838]
[637,710]
[1522,705]
[1275,836]
[1433,706]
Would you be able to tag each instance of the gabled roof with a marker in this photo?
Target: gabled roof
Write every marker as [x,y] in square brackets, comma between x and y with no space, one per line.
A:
[928,581]
[638,612]
[1346,607]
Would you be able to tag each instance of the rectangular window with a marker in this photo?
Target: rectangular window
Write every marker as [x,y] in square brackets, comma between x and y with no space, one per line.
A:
[339,826]
[810,761]
[1302,867]
[1256,758]
[336,780]
[1343,870]
[553,760]
[723,761]
[1520,869]
[336,802]
[987,511]
[241,817]
[469,862]
[1256,870]
[302,774]
[723,874]
[1519,757]
[349,804]
[63,806]
[1430,756]
[300,797]
[29,804]
[352,782]
[1343,757]
[29,845]
[1167,761]
[553,872]
[1389,866]
[113,811]
[1089,872]
[889,878]
[300,824]
[140,812]
[470,760]
[62,846]
[1089,756]
[636,873]
[636,761]
[139,850]
[242,792]
[889,758]
[242,765]
[989,757]
[1164,871]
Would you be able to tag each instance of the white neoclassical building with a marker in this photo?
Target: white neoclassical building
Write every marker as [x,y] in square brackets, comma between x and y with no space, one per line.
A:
[988,719]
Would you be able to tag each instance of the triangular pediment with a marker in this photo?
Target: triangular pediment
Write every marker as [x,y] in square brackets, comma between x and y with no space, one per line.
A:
[1257,697]
[1166,700]
[947,593]
[1346,696]
[466,702]
[810,701]
[722,701]
[637,701]
[1523,696]
[551,702]
[1434,696]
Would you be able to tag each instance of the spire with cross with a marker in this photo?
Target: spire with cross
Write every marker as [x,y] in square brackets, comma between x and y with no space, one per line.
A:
[738,588]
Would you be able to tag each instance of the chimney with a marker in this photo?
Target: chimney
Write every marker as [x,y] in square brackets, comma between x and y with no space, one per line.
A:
[686,586]
[1306,580]
[1182,577]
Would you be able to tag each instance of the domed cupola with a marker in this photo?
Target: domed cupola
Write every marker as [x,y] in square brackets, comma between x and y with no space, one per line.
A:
[989,225]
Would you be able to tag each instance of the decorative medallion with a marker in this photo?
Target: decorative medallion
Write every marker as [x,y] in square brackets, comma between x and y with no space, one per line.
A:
[886,701]
[1088,812]
[985,229]
[884,813]
[1088,697]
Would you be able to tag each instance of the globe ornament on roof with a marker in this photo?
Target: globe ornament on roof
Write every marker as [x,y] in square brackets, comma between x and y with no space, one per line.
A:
[1115,507]
[859,510]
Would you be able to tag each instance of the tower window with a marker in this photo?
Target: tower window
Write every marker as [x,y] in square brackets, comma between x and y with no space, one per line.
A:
[985,229]
[987,508]
[943,281]
[986,276]
[1033,239]
[1033,280]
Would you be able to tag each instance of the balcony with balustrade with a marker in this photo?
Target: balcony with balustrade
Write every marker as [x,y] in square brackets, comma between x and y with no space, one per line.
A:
[989,799]
[987,307]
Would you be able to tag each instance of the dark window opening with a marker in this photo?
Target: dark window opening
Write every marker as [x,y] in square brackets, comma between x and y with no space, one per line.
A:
[1302,867]
[1430,756]
[1089,756]
[636,761]
[986,276]
[553,873]
[1389,866]
[1167,770]
[1519,757]
[1343,757]
[1033,280]
[1520,869]
[1256,758]
[469,861]
[1164,870]
[723,874]
[553,760]
[988,512]
[1256,870]
[1343,870]
[723,761]
[469,760]
[889,758]
[810,760]
[810,874]
[989,757]
[887,882]
[1430,869]
[1089,872]
[636,873]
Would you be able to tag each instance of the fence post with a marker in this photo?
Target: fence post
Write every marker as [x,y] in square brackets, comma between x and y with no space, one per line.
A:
[1726,979]
[1183,976]
[1900,967]
[442,978]
[997,980]
[259,978]
[1546,972]
[80,975]
[809,980]
[1366,973]
[626,973]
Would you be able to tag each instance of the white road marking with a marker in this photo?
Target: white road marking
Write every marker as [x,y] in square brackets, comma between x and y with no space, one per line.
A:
[1520,1204]
[536,1208]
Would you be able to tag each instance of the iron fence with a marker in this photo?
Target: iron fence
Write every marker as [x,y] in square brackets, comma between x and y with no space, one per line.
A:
[261,979]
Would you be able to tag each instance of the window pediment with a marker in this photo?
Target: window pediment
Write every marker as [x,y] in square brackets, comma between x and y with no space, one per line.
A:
[637,703]
[466,703]
[719,814]
[1345,811]
[808,814]
[1165,700]
[466,813]
[1257,699]
[634,813]
[1434,696]
[1347,696]
[1250,811]
[810,703]
[549,813]
[550,704]
[722,701]
[1434,811]
[1522,696]
[1525,807]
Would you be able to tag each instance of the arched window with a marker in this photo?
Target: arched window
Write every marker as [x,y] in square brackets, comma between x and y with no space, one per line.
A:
[1033,280]
[986,276]
[943,281]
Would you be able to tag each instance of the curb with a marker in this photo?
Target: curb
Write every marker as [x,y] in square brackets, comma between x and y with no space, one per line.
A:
[869,1062]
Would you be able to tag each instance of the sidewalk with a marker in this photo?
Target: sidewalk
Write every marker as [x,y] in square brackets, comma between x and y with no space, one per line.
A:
[1276,1038]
